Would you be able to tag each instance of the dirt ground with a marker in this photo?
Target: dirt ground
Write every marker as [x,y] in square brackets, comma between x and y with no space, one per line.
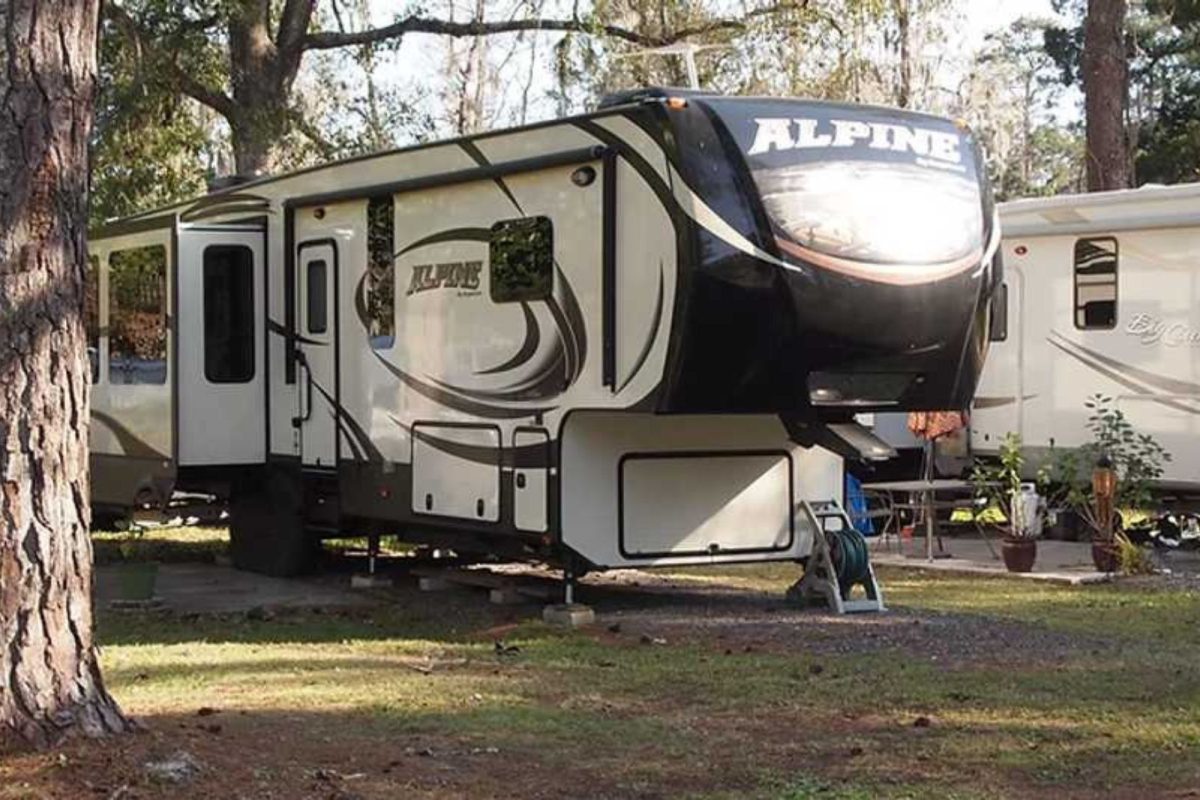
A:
[704,685]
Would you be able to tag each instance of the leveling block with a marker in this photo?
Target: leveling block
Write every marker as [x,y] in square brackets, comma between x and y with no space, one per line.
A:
[839,562]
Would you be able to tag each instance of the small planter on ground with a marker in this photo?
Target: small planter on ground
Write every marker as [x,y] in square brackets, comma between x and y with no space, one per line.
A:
[134,580]
[1115,471]
[999,485]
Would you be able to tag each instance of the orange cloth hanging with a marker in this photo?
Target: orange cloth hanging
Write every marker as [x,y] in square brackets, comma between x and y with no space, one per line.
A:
[932,425]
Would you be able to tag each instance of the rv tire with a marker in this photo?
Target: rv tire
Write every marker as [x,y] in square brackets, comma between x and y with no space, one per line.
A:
[266,531]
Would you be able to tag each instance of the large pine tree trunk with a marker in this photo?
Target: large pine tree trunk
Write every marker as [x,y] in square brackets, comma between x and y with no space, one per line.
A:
[50,684]
[1105,88]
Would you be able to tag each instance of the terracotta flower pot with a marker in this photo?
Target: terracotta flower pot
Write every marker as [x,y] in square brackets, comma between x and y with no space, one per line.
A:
[1106,556]
[1019,554]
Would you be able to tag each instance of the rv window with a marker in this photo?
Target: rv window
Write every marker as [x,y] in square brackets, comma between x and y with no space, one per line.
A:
[998,331]
[317,302]
[91,315]
[1096,283]
[228,314]
[522,260]
[137,315]
[381,274]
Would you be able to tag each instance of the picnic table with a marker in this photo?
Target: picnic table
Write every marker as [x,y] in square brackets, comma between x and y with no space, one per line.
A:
[922,495]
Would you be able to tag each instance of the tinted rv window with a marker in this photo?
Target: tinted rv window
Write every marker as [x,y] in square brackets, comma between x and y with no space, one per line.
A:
[137,315]
[228,314]
[522,260]
[999,325]
[381,274]
[317,303]
[1096,283]
[91,315]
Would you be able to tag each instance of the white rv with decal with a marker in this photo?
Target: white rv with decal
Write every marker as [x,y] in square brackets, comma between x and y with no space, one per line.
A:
[614,339]
[1103,296]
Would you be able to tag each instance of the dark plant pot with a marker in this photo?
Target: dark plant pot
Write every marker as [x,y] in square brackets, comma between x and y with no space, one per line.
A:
[1019,554]
[1106,556]
[136,579]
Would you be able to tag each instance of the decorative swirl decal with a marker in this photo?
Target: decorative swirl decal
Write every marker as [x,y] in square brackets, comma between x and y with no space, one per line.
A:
[533,337]
[654,325]
[530,456]
[221,204]
[130,443]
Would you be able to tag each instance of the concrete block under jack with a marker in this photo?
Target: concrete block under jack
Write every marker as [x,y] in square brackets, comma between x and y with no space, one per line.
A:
[370,582]
[506,596]
[430,583]
[574,615]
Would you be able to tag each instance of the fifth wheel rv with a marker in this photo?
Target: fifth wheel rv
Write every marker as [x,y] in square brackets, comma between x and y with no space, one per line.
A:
[1103,296]
[633,337]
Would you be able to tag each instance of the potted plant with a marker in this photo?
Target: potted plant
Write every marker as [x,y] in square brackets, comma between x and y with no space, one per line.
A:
[136,579]
[999,485]
[1115,471]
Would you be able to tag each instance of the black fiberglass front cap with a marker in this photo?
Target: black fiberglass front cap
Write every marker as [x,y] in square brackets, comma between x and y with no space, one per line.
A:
[881,223]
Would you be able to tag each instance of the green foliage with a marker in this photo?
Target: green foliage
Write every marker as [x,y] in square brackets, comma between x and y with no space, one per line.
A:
[522,260]
[1163,47]
[1137,458]
[148,145]
[998,484]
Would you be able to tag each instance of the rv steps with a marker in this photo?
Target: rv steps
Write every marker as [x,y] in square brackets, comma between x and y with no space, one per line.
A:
[322,509]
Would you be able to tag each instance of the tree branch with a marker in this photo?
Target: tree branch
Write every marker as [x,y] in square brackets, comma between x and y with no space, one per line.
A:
[293,24]
[328,40]
[213,98]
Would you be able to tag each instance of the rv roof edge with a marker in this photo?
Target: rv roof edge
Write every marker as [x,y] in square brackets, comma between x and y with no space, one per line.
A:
[1099,199]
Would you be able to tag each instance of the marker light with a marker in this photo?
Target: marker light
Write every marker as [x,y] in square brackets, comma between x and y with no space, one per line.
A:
[676,103]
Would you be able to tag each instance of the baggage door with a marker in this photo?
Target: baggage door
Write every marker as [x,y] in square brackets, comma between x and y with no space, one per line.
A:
[316,352]
[531,479]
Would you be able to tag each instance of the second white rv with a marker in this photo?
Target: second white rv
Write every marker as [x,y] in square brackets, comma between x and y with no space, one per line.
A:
[1101,295]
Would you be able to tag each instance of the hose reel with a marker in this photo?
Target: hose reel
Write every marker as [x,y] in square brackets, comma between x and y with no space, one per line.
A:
[840,561]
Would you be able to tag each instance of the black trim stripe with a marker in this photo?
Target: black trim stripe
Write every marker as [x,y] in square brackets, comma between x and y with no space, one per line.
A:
[489,172]
[533,337]
[1068,346]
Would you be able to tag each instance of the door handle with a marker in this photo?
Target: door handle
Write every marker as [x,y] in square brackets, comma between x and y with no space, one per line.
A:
[298,420]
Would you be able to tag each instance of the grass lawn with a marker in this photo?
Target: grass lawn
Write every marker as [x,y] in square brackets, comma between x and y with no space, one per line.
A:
[412,699]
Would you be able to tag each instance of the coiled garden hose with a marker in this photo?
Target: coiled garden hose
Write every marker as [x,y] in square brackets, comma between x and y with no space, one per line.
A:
[848,550]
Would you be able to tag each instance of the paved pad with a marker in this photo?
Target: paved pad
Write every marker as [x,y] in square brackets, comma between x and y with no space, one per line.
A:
[214,589]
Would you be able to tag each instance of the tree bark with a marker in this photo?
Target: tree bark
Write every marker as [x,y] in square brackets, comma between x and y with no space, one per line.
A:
[903,24]
[1106,92]
[261,77]
[50,682]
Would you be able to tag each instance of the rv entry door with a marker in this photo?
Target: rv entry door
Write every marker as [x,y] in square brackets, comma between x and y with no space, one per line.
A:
[317,394]
[221,409]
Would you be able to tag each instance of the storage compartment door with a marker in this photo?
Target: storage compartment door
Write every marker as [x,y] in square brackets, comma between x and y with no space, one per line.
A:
[531,479]
[456,471]
[695,504]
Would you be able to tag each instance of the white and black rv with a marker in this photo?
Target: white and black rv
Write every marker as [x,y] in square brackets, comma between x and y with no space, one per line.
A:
[633,337]
[1101,296]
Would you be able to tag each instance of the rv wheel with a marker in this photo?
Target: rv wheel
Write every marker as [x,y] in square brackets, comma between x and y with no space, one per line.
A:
[266,530]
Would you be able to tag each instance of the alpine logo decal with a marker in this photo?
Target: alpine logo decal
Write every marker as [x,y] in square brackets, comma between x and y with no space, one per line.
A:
[783,133]
[462,275]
